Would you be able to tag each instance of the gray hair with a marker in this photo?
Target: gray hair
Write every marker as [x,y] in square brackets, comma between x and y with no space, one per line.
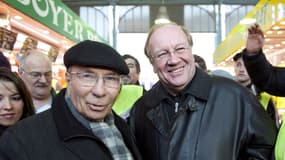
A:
[32,53]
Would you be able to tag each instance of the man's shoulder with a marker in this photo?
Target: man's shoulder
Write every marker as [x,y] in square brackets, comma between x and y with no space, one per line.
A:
[150,97]
[226,84]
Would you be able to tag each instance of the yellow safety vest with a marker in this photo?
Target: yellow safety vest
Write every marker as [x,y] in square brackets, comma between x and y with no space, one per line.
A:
[127,97]
[264,99]
[280,143]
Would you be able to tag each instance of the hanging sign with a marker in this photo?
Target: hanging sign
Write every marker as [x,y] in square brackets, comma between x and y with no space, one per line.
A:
[57,16]
[7,39]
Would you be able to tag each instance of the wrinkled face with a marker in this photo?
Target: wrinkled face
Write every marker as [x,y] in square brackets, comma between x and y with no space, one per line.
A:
[171,57]
[93,91]
[133,70]
[37,75]
[11,104]
[241,74]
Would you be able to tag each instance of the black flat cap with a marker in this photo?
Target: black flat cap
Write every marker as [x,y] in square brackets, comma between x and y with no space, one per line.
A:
[95,54]
[237,56]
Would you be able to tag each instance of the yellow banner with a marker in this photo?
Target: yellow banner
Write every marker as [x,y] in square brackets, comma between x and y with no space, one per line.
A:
[266,13]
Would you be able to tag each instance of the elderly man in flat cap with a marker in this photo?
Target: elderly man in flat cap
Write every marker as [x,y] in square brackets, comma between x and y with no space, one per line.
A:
[80,124]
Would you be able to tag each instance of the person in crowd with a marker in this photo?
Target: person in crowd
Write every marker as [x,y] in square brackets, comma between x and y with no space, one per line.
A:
[4,62]
[134,67]
[191,115]
[200,62]
[80,123]
[15,100]
[243,78]
[36,71]
[267,77]
[131,89]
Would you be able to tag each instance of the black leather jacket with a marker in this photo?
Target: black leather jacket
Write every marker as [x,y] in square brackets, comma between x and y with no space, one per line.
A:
[268,78]
[218,120]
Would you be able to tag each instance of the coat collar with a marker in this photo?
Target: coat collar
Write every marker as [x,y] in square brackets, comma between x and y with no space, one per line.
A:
[198,88]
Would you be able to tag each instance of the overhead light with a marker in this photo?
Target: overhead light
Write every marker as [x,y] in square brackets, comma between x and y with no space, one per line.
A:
[276,27]
[45,31]
[18,17]
[248,21]
[162,16]
[277,45]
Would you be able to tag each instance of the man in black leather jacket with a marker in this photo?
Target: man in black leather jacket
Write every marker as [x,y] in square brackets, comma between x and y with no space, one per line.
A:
[191,115]
[269,78]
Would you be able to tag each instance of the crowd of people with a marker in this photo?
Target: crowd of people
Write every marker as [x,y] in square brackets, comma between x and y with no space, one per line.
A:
[190,113]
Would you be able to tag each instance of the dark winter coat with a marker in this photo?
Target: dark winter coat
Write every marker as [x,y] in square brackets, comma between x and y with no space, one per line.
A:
[265,76]
[57,135]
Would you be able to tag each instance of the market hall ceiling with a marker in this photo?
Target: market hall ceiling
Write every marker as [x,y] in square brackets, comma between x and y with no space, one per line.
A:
[75,3]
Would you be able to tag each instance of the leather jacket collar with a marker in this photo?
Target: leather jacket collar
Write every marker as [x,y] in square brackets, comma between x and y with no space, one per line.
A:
[198,87]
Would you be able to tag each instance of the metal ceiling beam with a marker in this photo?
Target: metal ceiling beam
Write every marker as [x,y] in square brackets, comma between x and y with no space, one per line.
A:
[74,3]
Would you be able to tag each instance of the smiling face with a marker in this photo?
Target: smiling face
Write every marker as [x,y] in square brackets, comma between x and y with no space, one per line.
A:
[176,69]
[11,104]
[94,102]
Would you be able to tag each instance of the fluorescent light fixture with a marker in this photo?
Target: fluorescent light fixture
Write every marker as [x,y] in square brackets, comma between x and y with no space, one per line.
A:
[18,17]
[276,27]
[162,16]
[45,31]
[248,21]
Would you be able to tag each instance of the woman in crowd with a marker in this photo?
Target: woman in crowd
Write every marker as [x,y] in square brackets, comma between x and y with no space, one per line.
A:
[15,99]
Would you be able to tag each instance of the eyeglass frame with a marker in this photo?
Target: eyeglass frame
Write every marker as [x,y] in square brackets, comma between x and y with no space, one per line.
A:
[95,79]
[163,55]
[38,75]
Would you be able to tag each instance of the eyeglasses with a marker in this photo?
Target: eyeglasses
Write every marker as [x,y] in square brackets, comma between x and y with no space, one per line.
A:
[90,79]
[130,65]
[165,54]
[38,75]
